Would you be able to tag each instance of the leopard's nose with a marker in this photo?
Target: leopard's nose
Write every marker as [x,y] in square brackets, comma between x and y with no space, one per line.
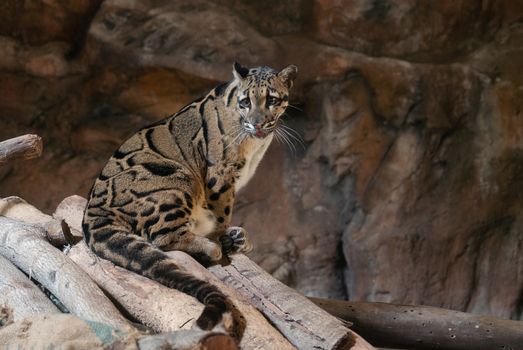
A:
[257,126]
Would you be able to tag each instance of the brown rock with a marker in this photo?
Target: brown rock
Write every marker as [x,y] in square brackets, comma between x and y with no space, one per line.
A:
[417,30]
[36,22]
[171,36]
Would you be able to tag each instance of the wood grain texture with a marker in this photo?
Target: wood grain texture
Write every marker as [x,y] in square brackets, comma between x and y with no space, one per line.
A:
[21,147]
[302,322]
[21,295]
[26,246]
[425,327]
[156,306]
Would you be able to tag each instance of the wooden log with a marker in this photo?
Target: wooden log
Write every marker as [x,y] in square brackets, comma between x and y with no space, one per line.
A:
[71,210]
[425,327]
[161,308]
[16,208]
[25,246]
[165,309]
[258,333]
[188,340]
[21,147]
[302,322]
[21,296]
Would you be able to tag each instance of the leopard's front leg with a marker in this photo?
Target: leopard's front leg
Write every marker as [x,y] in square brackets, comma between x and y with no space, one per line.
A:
[220,199]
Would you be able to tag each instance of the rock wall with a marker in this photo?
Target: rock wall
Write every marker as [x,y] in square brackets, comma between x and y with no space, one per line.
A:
[407,186]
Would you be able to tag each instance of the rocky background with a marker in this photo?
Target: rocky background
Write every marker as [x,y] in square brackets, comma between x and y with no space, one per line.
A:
[408,184]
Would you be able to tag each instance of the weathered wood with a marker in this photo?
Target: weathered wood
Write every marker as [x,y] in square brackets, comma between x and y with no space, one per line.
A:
[21,147]
[165,309]
[16,208]
[258,334]
[71,211]
[188,340]
[64,331]
[156,306]
[20,295]
[25,245]
[425,327]
[302,322]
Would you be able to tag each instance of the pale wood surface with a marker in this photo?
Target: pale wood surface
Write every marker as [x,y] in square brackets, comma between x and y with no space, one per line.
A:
[68,210]
[156,306]
[302,322]
[21,147]
[20,295]
[258,333]
[16,208]
[25,245]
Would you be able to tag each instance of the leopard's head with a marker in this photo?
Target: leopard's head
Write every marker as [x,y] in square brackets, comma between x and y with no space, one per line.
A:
[262,95]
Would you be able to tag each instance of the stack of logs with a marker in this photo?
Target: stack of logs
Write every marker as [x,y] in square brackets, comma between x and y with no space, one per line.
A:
[50,250]
[46,269]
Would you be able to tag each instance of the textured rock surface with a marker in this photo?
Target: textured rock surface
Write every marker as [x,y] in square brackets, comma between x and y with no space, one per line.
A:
[408,187]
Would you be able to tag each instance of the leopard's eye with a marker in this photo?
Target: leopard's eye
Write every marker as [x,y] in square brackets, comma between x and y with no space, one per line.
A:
[272,101]
[245,102]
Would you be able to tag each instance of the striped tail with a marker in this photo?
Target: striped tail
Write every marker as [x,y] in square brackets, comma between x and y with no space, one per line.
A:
[135,254]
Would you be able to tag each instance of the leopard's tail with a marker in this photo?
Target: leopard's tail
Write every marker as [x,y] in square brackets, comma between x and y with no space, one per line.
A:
[138,255]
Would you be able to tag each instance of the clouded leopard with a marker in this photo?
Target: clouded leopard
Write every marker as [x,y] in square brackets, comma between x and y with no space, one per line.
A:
[171,185]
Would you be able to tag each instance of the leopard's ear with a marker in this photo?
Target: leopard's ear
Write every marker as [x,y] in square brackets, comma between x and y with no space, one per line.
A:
[239,71]
[288,74]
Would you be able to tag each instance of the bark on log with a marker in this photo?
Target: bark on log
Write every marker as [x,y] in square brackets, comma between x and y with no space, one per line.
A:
[24,147]
[188,340]
[156,306]
[26,247]
[425,327]
[302,322]
[258,333]
[16,208]
[21,296]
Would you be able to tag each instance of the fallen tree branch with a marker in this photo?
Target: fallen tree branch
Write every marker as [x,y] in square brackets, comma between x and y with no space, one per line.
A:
[424,327]
[25,147]
[21,296]
[26,247]
[303,323]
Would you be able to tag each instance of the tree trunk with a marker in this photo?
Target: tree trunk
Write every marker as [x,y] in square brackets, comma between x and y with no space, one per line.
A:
[26,247]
